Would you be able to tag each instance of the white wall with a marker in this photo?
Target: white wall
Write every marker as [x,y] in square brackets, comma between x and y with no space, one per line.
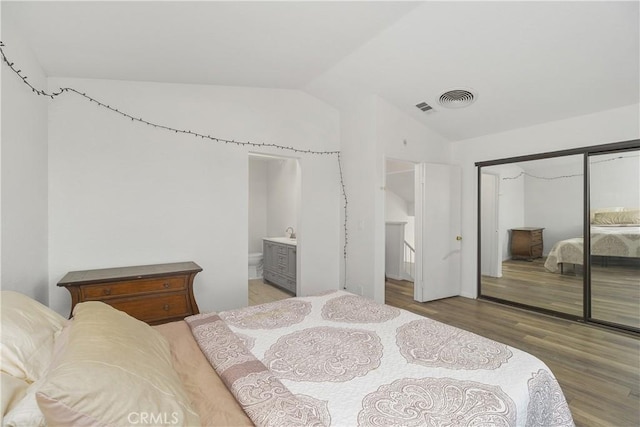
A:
[555,204]
[620,124]
[358,153]
[122,193]
[24,253]
[283,196]
[615,180]
[257,202]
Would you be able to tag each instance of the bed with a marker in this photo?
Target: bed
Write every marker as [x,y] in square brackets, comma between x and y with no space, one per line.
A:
[613,234]
[332,359]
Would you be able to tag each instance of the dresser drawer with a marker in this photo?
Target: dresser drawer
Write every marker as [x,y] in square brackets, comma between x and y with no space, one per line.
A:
[536,251]
[114,289]
[536,236]
[152,308]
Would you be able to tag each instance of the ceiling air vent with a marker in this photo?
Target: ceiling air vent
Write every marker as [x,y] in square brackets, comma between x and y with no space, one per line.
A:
[457,98]
[424,106]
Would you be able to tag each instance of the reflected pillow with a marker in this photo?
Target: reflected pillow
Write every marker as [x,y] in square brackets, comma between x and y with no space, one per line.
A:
[593,212]
[617,218]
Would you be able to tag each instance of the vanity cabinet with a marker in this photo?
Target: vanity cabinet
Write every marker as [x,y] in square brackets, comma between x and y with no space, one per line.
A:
[526,243]
[280,264]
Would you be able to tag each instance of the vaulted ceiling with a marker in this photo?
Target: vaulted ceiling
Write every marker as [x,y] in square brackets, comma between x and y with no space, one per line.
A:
[527,62]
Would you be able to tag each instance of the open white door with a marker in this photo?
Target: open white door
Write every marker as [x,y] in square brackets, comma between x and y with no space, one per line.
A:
[438,191]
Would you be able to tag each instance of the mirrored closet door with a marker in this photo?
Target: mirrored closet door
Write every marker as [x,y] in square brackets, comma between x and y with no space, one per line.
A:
[560,233]
[614,193]
[526,209]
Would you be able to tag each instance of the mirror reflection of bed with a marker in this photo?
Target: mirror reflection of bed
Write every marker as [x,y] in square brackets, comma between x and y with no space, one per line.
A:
[548,194]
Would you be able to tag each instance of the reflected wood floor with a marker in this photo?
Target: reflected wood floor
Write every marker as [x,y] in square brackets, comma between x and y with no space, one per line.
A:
[615,289]
[598,369]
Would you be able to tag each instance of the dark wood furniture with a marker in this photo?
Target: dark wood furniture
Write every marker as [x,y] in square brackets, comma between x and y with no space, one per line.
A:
[526,243]
[155,294]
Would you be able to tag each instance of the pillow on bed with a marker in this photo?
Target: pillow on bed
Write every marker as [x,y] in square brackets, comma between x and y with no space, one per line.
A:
[113,370]
[13,389]
[593,212]
[26,412]
[615,218]
[28,331]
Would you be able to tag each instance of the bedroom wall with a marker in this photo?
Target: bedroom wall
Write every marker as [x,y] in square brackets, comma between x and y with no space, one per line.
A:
[615,125]
[23,176]
[358,153]
[122,193]
[555,204]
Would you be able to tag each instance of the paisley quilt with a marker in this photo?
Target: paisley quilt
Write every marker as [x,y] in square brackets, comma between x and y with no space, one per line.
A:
[343,360]
[617,241]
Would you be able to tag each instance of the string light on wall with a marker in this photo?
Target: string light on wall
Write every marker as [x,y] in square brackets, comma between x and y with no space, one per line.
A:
[552,178]
[61,91]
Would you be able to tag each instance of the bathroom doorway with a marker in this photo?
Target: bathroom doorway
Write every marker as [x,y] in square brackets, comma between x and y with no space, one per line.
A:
[274,209]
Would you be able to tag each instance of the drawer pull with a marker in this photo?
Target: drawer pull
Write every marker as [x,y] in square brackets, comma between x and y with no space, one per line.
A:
[107,291]
[166,285]
[165,307]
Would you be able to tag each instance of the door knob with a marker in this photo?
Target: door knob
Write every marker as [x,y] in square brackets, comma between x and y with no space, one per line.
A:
[458,237]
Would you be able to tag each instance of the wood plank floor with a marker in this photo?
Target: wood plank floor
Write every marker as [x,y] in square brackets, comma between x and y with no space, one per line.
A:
[615,289]
[260,292]
[598,369]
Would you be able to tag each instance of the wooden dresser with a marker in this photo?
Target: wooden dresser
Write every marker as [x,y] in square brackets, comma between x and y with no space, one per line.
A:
[526,243]
[155,294]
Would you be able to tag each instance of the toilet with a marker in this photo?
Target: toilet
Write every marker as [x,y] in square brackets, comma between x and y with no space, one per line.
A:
[255,265]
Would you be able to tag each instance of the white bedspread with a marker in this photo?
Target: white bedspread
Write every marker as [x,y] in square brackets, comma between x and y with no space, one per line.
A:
[343,360]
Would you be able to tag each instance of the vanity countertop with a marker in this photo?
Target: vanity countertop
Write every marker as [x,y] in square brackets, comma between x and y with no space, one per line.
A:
[285,240]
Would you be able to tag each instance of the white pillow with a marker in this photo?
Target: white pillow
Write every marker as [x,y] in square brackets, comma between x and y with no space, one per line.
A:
[13,389]
[112,370]
[26,412]
[28,332]
[617,218]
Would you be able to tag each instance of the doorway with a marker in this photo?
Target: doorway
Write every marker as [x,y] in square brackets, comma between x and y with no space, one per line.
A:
[274,209]
[400,238]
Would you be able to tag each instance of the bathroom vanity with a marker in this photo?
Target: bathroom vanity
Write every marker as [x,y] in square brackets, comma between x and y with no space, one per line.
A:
[280,262]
